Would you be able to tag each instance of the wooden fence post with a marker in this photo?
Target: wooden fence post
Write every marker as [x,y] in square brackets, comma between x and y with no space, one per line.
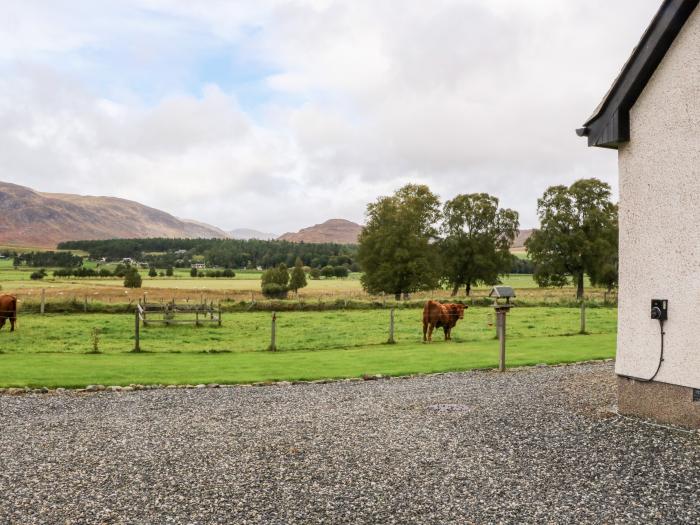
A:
[273,345]
[43,300]
[583,317]
[391,340]
[85,306]
[137,345]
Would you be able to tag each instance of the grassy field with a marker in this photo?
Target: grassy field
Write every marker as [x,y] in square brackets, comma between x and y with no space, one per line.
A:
[52,350]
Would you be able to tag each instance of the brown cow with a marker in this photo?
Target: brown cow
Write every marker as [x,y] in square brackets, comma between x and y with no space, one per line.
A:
[8,310]
[436,315]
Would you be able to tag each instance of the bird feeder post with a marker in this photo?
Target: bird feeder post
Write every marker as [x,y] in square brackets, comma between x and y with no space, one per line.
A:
[507,293]
[501,312]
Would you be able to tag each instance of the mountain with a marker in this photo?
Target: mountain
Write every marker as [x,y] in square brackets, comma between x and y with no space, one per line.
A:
[519,241]
[247,233]
[335,230]
[33,218]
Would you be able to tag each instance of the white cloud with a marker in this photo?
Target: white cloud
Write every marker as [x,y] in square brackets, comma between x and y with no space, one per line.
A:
[359,97]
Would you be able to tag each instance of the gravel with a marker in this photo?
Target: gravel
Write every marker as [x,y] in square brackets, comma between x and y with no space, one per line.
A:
[532,445]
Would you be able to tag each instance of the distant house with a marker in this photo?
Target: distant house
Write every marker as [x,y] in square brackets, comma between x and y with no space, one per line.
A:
[651,116]
[199,266]
[128,260]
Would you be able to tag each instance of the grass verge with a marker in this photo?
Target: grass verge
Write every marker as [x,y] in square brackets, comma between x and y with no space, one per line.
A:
[78,370]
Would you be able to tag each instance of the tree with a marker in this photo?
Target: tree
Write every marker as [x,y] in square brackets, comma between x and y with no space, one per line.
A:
[193,272]
[341,271]
[298,277]
[275,282]
[37,276]
[152,272]
[315,273]
[476,240]
[397,246]
[169,271]
[327,271]
[132,278]
[605,274]
[577,235]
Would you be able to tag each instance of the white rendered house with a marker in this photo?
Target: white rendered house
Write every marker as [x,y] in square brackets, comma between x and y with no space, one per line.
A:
[651,115]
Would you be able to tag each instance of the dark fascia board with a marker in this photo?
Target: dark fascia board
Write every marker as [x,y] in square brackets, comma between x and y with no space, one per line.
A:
[610,124]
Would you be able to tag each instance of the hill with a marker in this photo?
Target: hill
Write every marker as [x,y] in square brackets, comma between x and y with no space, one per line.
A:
[43,219]
[523,236]
[247,233]
[339,231]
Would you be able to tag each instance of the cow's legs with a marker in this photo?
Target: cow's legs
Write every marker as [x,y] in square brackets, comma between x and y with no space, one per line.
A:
[430,333]
[2,322]
[447,333]
[425,331]
[13,320]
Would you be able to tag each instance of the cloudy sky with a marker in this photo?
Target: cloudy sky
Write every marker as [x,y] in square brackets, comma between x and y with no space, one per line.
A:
[280,114]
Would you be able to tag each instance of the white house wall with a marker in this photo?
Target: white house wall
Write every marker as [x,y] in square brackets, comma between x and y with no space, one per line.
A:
[660,219]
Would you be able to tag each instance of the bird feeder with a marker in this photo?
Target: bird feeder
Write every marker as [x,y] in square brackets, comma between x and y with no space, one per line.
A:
[501,308]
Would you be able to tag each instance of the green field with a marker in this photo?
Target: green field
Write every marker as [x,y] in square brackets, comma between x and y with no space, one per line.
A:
[52,350]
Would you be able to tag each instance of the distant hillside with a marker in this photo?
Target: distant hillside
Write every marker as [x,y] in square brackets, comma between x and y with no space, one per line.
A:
[339,231]
[43,219]
[247,233]
[523,236]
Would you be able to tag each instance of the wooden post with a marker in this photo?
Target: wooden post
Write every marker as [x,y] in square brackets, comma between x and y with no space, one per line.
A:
[219,313]
[137,345]
[43,300]
[273,344]
[85,308]
[501,330]
[583,317]
[391,340]
[196,317]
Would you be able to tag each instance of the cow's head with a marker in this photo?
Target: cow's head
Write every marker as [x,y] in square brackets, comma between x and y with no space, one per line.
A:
[458,310]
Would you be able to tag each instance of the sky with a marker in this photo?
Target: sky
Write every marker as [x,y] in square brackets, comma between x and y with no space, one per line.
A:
[276,115]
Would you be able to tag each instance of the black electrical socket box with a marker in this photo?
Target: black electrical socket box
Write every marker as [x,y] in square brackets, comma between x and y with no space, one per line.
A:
[659,309]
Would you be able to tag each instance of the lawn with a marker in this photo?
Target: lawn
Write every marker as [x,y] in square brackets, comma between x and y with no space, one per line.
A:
[52,350]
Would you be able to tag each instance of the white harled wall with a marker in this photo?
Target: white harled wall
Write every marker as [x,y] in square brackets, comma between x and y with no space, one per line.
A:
[660,219]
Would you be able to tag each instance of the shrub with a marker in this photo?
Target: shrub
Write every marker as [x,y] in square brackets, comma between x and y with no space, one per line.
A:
[152,272]
[120,270]
[315,273]
[274,291]
[341,271]
[37,276]
[193,272]
[169,271]
[132,279]
[228,272]
[279,277]
[328,271]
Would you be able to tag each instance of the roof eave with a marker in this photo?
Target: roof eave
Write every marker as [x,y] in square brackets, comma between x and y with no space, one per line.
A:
[609,125]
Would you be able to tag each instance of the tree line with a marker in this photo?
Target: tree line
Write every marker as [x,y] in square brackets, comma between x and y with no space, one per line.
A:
[412,242]
[226,253]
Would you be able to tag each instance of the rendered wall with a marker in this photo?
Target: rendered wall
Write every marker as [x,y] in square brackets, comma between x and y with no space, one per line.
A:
[660,219]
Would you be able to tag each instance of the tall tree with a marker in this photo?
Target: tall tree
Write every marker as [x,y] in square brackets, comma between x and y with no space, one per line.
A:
[397,246]
[298,278]
[577,235]
[476,240]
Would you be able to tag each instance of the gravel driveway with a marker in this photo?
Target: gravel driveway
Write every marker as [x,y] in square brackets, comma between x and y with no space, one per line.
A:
[532,445]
